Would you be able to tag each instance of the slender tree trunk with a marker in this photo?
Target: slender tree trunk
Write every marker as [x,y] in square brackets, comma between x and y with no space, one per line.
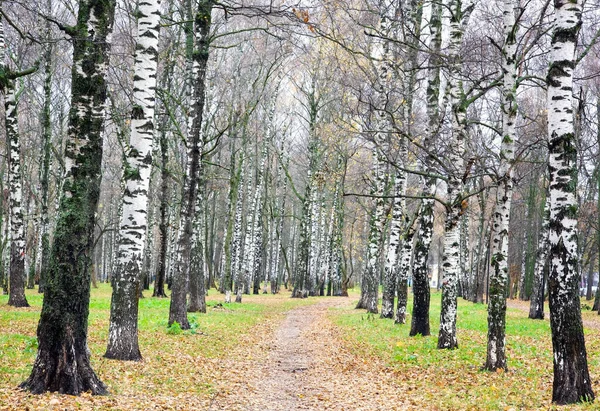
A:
[390,273]
[44,247]
[572,381]
[236,252]
[403,274]
[227,257]
[496,352]
[421,291]
[62,363]
[450,265]
[16,294]
[177,309]
[536,306]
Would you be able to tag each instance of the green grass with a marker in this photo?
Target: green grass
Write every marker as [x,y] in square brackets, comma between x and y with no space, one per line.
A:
[188,364]
[453,379]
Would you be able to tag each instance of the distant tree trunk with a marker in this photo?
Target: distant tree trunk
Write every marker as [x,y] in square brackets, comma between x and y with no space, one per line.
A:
[536,306]
[177,309]
[305,264]
[390,271]
[62,363]
[227,256]
[301,260]
[161,269]
[572,381]
[197,300]
[44,235]
[527,272]
[403,274]
[123,329]
[163,194]
[591,274]
[236,246]
[597,297]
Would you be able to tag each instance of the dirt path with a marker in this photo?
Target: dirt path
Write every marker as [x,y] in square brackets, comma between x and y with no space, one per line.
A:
[306,367]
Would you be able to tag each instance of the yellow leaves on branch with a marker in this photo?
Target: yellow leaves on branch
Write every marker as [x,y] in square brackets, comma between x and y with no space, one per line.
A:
[304,16]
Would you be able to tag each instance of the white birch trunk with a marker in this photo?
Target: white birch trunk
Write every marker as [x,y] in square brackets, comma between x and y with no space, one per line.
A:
[236,240]
[572,382]
[421,291]
[122,335]
[17,229]
[391,257]
[459,17]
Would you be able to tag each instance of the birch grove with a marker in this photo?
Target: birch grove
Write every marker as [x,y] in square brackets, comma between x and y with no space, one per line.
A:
[207,151]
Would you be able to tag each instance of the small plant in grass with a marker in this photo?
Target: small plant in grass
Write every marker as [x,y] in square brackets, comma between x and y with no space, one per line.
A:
[31,345]
[174,329]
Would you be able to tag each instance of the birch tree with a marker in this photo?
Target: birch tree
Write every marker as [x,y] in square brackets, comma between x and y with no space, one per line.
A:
[572,381]
[459,17]
[122,333]
[421,291]
[496,352]
[202,23]
[17,231]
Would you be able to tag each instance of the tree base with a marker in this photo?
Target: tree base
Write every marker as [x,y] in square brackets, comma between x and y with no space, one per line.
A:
[400,319]
[127,355]
[447,343]
[18,302]
[64,373]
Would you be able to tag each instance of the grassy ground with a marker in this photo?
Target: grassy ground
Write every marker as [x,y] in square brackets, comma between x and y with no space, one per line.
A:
[452,380]
[178,368]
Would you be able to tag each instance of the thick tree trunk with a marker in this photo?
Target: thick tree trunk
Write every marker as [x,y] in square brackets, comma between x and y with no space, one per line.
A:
[177,309]
[123,330]
[572,381]
[62,362]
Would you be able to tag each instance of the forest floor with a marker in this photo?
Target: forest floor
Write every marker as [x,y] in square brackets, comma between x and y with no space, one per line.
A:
[276,353]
